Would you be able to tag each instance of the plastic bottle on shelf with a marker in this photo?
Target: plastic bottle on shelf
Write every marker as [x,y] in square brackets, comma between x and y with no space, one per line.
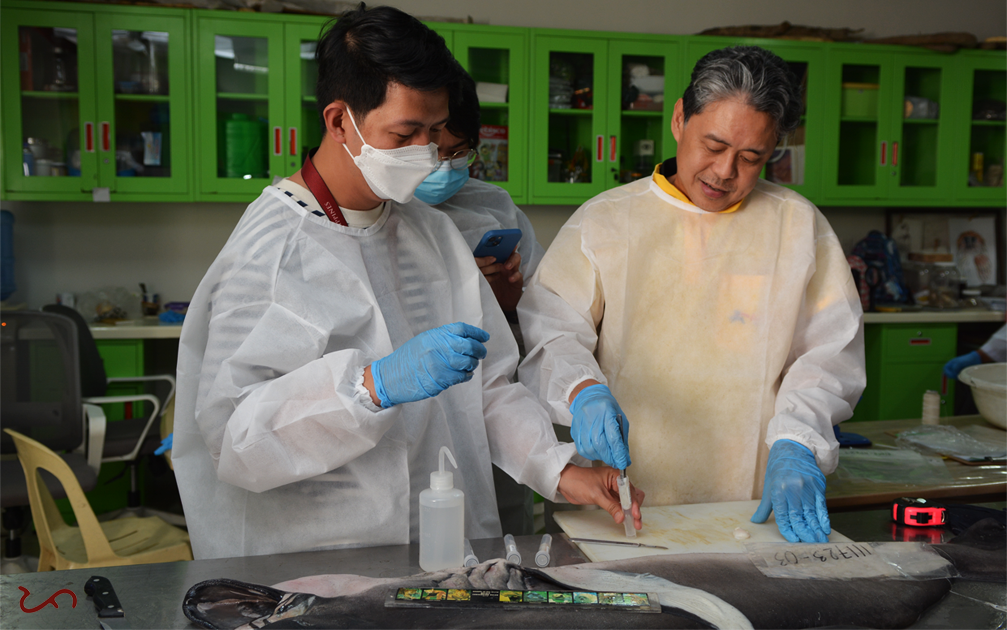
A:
[442,520]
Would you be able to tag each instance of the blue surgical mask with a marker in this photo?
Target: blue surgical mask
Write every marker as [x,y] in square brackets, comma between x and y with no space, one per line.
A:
[442,184]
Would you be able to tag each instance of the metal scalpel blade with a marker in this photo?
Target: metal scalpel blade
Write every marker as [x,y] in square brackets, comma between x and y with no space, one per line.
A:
[621,543]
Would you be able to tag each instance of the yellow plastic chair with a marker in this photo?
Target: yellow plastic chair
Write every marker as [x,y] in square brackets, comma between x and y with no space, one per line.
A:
[167,427]
[90,543]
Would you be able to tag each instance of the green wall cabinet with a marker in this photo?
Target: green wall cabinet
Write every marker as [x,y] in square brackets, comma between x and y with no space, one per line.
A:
[586,128]
[982,77]
[255,101]
[567,158]
[903,362]
[95,97]
[880,147]
[240,99]
[500,56]
[180,104]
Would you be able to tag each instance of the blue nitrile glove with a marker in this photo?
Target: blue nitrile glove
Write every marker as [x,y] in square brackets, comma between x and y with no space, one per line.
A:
[165,445]
[429,363]
[795,490]
[595,429]
[957,364]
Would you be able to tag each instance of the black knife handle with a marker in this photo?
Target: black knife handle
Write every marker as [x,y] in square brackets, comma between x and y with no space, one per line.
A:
[106,602]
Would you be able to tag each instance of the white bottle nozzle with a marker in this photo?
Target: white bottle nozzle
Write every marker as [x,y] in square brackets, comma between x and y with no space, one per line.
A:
[442,479]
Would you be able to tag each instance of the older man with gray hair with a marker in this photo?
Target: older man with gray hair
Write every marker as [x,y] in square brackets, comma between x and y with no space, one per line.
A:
[718,308]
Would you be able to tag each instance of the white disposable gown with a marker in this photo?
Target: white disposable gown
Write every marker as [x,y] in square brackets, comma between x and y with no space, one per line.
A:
[479,206]
[996,346]
[718,333]
[277,446]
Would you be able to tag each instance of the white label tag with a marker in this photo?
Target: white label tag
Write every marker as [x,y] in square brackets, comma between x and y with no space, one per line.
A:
[847,561]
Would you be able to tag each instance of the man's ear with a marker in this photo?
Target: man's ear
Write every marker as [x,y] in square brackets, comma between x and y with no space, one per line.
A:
[678,121]
[334,116]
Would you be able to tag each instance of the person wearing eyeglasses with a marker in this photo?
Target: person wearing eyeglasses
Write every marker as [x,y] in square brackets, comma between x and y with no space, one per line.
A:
[476,206]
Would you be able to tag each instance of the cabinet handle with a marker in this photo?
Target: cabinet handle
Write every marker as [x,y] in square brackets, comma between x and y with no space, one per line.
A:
[884,150]
[277,140]
[106,136]
[895,154]
[293,141]
[613,142]
[599,152]
[89,137]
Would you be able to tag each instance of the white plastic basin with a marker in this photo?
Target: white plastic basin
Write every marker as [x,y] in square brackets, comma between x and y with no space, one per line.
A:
[989,389]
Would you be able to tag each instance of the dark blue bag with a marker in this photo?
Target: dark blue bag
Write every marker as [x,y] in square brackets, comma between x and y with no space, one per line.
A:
[884,270]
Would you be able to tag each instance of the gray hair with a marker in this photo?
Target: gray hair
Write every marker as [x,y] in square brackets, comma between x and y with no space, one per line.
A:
[756,76]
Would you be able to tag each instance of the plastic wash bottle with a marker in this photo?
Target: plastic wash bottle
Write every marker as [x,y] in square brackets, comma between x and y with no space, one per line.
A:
[442,520]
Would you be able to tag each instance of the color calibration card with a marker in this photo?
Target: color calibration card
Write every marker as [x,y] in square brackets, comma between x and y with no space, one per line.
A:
[487,598]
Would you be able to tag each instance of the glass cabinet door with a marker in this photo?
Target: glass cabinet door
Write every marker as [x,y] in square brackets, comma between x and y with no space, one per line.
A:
[239,118]
[643,87]
[497,61]
[921,149]
[303,130]
[977,170]
[143,103]
[859,134]
[568,134]
[50,130]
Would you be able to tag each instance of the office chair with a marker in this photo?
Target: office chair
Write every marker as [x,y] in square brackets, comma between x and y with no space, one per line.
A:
[123,440]
[40,397]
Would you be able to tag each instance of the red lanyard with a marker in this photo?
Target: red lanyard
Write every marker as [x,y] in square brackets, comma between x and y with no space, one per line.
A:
[321,192]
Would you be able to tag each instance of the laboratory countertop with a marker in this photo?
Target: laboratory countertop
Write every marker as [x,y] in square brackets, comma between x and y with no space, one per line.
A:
[966,483]
[935,317]
[151,595]
[146,328]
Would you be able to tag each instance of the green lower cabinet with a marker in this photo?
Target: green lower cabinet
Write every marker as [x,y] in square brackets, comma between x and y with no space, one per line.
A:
[122,357]
[903,362]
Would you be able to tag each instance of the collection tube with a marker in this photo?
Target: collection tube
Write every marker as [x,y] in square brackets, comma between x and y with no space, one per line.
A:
[542,557]
[513,555]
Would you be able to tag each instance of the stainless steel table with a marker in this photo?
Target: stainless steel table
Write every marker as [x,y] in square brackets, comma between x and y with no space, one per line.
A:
[152,594]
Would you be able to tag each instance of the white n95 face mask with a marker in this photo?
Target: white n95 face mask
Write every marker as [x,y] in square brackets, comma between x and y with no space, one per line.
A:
[394,173]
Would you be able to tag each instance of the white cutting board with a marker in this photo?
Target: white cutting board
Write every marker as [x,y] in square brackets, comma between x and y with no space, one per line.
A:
[697,528]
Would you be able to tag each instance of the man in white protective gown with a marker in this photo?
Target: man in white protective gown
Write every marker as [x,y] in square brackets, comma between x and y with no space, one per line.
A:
[344,334]
[716,307]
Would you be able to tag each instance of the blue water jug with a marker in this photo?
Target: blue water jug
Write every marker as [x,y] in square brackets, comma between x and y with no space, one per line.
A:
[7,284]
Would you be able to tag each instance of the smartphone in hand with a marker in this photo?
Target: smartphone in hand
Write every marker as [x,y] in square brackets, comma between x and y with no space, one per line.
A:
[498,243]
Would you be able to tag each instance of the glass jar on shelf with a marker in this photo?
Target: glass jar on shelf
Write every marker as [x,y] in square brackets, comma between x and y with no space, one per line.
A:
[972,299]
[917,275]
[945,283]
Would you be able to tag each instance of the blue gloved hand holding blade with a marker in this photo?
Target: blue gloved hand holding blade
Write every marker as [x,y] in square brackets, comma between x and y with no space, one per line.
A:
[795,489]
[596,428]
[429,363]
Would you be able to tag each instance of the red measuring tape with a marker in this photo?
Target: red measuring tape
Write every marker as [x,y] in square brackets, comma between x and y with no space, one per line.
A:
[321,192]
[918,513]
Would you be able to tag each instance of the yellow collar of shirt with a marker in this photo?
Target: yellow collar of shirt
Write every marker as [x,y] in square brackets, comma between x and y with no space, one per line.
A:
[663,183]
